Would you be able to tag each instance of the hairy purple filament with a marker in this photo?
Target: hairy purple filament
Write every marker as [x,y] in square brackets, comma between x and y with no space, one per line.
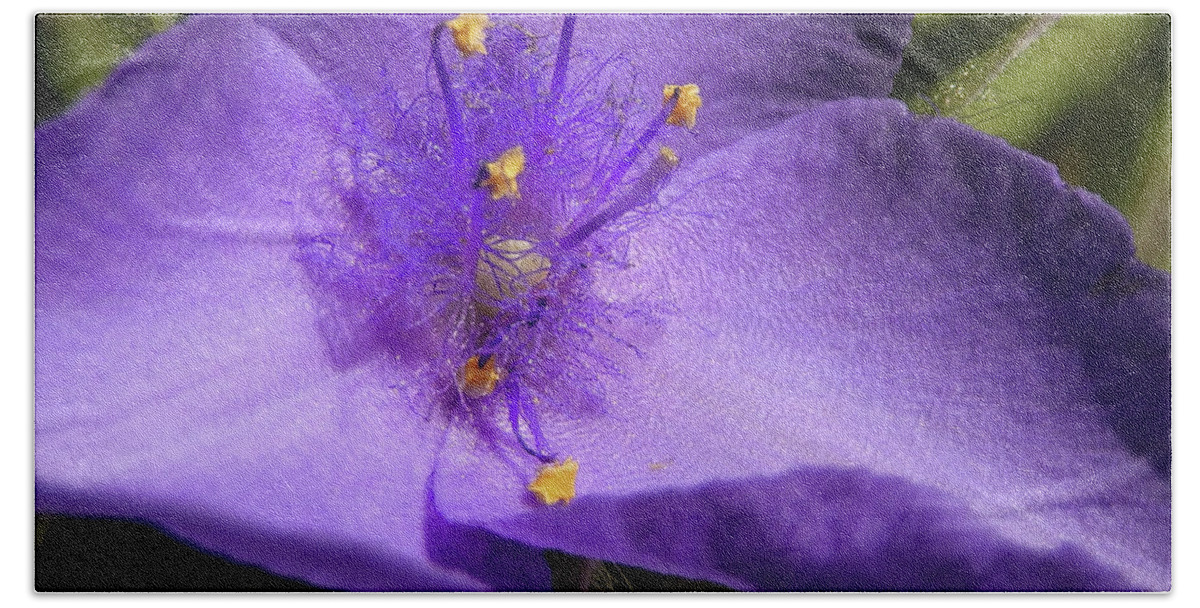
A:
[520,408]
[580,233]
[454,123]
[643,193]
[429,262]
[453,112]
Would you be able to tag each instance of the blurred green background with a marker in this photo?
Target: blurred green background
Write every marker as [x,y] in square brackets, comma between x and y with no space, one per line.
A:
[74,53]
[1090,93]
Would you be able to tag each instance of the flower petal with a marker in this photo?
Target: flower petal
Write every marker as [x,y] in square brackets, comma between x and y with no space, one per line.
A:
[181,376]
[753,70]
[907,356]
[360,54]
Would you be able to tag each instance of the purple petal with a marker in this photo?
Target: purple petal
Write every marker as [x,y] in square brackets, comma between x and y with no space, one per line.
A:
[908,347]
[753,70]
[360,55]
[180,374]
[907,356]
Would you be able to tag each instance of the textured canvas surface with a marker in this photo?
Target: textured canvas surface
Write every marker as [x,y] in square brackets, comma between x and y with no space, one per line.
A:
[532,302]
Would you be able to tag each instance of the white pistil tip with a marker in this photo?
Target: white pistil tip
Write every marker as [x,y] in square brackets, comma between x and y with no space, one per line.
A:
[508,268]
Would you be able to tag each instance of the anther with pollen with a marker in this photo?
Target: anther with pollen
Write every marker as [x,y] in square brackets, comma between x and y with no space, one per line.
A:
[684,112]
[500,176]
[469,33]
[478,376]
[555,482]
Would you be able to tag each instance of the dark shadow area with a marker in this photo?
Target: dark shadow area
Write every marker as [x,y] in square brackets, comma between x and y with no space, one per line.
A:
[92,554]
[813,529]
[1128,357]
[573,573]
[87,554]
[499,563]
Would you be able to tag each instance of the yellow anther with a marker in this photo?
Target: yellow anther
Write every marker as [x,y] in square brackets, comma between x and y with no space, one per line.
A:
[555,482]
[502,175]
[477,380]
[684,112]
[667,158]
[468,32]
[508,267]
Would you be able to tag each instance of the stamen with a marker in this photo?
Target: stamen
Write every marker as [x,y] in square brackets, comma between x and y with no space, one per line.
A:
[478,378]
[619,170]
[555,482]
[683,114]
[641,193]
[502,174]
[521,409]
[454,119]
[558,81]
[469,34]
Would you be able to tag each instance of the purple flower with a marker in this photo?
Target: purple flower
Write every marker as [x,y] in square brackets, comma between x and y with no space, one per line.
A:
[326,294]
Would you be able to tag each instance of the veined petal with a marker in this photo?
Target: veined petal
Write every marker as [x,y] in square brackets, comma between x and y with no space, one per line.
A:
[884,373]
[361,55]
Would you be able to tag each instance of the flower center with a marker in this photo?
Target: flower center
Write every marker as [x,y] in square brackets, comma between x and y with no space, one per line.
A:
[482,224]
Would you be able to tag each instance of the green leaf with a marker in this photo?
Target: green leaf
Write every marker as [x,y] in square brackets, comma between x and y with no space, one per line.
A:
[1018,92]
[75,53]
[1148,196]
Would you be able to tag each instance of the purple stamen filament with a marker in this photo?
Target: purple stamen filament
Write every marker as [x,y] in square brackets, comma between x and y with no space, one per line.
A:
[507,326]
[643,192]
[584,230]
[558,81]
[454,123]
[518,409]
[449,98]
